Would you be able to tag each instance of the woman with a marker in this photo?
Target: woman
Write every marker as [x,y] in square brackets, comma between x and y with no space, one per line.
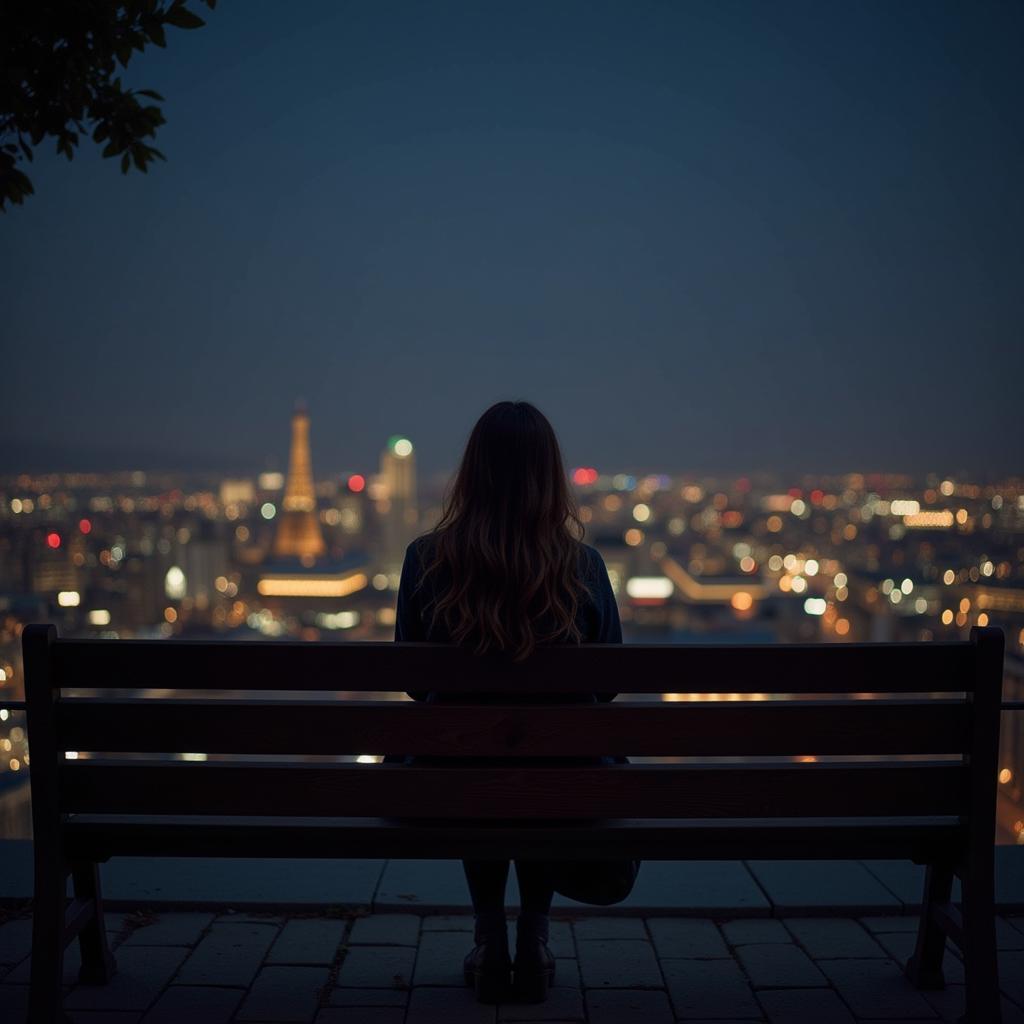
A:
[504,571]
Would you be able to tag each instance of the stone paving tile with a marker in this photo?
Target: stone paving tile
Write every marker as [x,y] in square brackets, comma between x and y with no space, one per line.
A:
[610,928]
[833,937]
[15,940]
[195,1004]
[709,988]
[387,930]
[900,946]
[875,988]
[308,941]
[406,884]
[795,886]
[618,963]
[948,1003]
[170,930]
[142,973]
[773,965]
[284,994]
[707,887]
[1011,975]
[562,1004]
[446,922]
[103,1017]
[560,941]
[229,954]
[14,1000]
[377,967]
[440,956]
[739,933]
[1007,935]
[72,964]
[245,917]
[365,1015]
[369,997]
[567,972]
[450,1005]
[893,923]
[691,937]
[803,1005]
[616,1007]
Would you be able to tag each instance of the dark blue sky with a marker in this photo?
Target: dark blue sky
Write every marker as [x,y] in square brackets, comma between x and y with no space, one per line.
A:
[700,236]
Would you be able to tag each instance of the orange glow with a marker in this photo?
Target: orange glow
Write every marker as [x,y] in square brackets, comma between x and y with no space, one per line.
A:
[842,626]
[634,537]
[741,601]
[311,586]
[983,619]
[170,615]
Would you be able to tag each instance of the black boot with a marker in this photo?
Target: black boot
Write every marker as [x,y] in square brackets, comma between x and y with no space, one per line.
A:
[487,969]
[533,972]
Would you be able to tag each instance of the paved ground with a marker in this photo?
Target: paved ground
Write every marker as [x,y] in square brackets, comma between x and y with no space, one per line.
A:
[213,968]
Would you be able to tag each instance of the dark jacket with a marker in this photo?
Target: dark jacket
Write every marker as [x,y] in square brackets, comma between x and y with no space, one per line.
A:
[597,619]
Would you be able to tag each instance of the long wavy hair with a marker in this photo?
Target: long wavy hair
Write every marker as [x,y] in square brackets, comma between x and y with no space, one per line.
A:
[506,550]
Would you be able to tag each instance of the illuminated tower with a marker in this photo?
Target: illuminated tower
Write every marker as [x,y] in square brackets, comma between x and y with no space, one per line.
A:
[400,515]
[298,530]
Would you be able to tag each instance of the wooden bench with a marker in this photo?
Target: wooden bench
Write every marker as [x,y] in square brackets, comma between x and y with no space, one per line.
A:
[937,811]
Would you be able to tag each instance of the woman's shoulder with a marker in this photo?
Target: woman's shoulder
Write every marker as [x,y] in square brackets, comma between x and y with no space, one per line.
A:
[590,557]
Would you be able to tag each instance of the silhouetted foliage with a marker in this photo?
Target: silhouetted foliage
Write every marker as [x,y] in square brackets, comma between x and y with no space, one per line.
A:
[58,61]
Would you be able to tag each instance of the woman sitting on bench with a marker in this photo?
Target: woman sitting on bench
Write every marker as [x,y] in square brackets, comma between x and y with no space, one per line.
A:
[504,570]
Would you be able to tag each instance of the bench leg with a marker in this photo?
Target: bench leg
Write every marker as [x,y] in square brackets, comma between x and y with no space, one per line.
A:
[981,968]
[924,968]
[46,980]
[98,964]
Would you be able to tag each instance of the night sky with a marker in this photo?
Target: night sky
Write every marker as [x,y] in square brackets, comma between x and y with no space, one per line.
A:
[700,236]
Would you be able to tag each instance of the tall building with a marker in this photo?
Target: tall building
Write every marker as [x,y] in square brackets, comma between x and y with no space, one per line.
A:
[298,528]
[397,501]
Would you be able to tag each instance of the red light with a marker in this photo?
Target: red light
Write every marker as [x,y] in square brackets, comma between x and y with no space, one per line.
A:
[584,475]
[795,492]
[85,526]
[817,497]
[356,482]
[53,539]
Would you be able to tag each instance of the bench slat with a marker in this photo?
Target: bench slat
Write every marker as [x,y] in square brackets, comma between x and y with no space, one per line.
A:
[931,667]
[102,836]
[653,729]
[656,791]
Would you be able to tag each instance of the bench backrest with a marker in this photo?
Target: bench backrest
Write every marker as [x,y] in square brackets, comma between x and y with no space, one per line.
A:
[938,717]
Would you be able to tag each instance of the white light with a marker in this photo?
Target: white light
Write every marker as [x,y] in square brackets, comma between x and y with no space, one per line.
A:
[641,513]
[403,447]
[907,586]
[267,510]
[4,714]
[380,581]
[799,507]
[811,567]
[775,563]
[903,507]
[367,759]
[99,617]
[69,599]
[920,606]
[71,755]
[193,757]
[799,584]
[840,579]
[815,606]
[271,481]
[174,583]
[649,587]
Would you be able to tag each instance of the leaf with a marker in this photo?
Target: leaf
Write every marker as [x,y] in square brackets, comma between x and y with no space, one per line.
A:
[125,163]
[155,31]
[151,93]
[181,17]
